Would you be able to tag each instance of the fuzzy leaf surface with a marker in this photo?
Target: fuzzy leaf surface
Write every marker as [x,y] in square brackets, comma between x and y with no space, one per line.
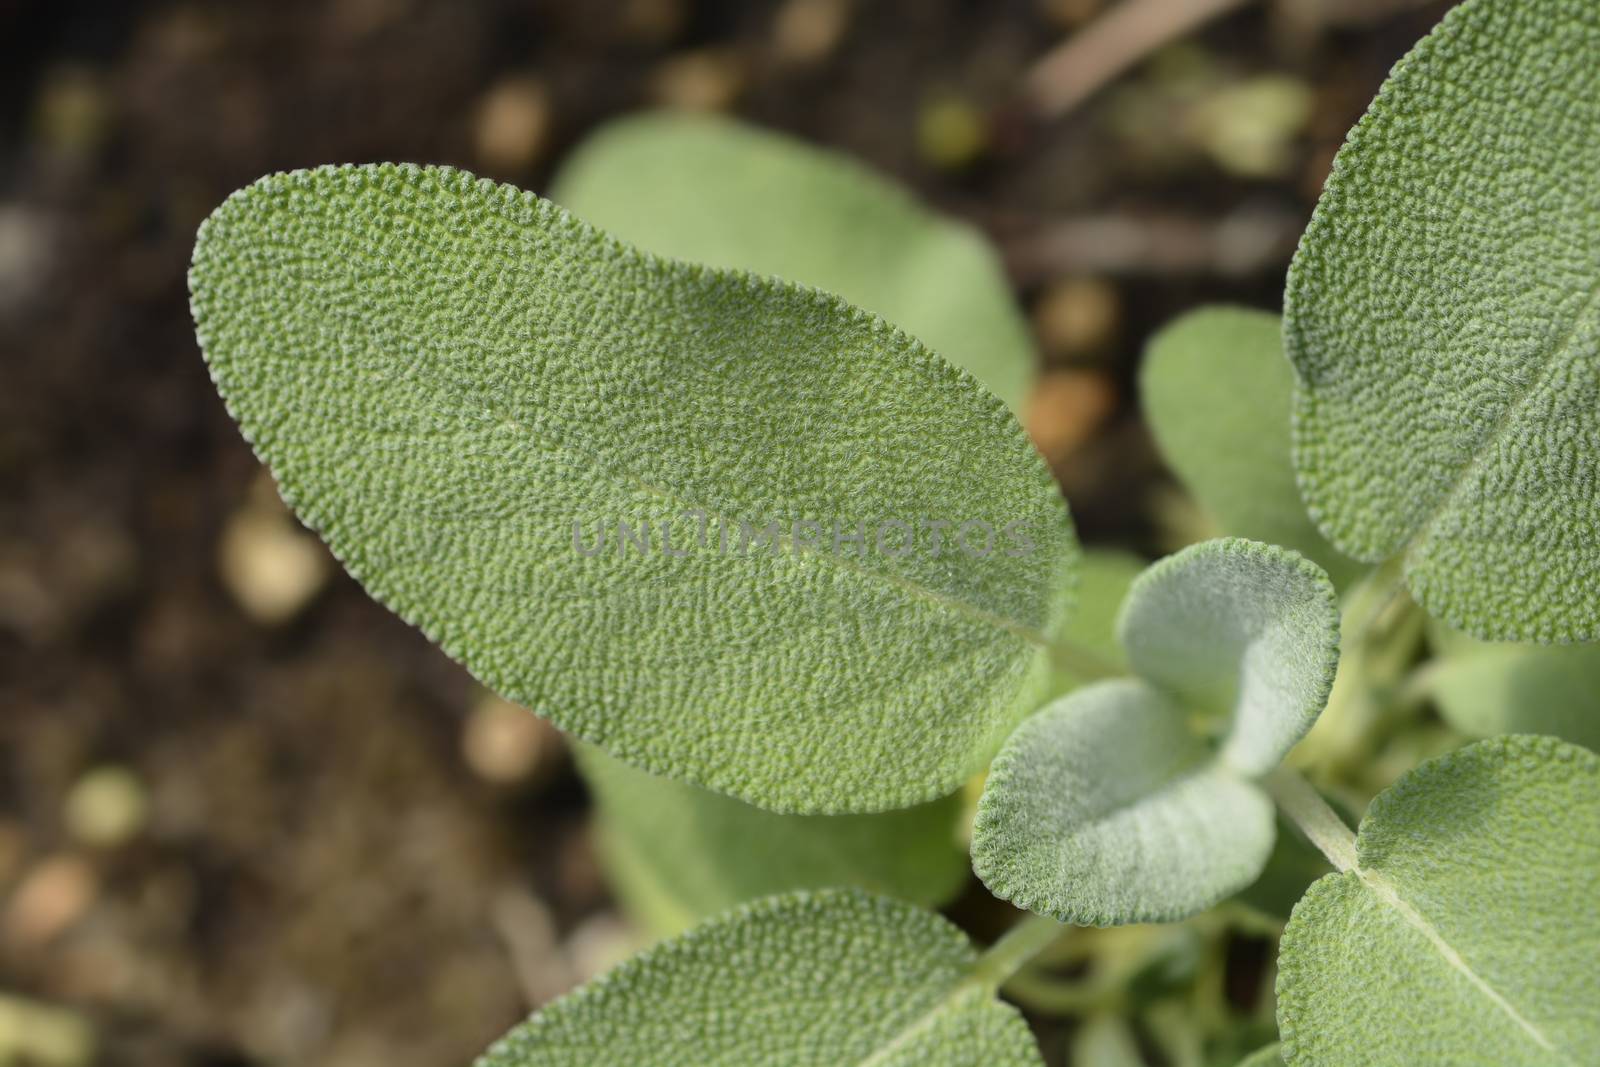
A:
[1244,632]
[677,854]
[1106,808]
[713,191]
[1467,933]
[1216,390]
[831,979]
[446,375]
[1134,800]
[1443,318]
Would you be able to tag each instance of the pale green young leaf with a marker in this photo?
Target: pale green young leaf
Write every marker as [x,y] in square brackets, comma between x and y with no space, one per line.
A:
[446,375]
[831,979]
[714,191]
[1135,800]
[1483,688]
[1107,808]
[1443,320]
[1466,933]
[677,853]
[1243,632]
[1215,387]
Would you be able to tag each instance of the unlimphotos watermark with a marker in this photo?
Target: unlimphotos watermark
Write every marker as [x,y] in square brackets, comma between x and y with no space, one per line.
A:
[698,532]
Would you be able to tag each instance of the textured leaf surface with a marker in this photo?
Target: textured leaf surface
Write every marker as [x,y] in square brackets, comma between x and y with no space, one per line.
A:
[1484,689]
[1467,933]
[1216,390]
[1134,800]
[1443,320]
[712,191]
[1246,632]
[1106,808]
[834,979]
[446,375]
[678,854]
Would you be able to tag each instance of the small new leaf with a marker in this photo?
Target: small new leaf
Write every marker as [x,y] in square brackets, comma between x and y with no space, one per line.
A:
[1466,933]
[1244,633]
[831,979]
[1106,808]
[1443,318]
[713,191]
[687,513]
[1135,800]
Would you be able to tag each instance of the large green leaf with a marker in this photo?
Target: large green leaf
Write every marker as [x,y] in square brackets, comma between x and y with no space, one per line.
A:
[1484,688]
[1135,800]
[1216,390]
[832,979]
[1466,933]
[711,190]
[1443,320]
[457,384]
[677,853]
[1106,808]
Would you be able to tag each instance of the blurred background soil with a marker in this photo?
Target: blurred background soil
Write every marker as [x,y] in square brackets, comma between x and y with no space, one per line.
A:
[246,815]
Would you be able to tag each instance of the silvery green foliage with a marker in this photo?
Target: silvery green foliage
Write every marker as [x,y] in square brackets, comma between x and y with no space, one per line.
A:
[446,375]
[1215,388]
[1267,1057]
[714,191]
[1443,322]
[830,979]
[1467,933]
[1483,688]
[1134,800]
[676,854]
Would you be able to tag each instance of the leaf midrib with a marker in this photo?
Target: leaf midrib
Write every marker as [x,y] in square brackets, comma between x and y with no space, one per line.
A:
[1021,631]
[1386,892]
[1502,425]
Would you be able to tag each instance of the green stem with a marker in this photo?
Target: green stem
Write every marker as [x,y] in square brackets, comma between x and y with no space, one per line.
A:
[1048,996]
[1319,822]
[1021,943]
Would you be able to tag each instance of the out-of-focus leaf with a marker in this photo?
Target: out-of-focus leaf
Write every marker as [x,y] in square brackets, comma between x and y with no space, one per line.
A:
[678,853]
[710,190]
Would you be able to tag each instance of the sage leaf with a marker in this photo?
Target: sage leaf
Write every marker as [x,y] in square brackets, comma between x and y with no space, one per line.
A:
[1106,808]
[677,853]
[1466,933]
[831,979]
[1216,390]
[1135,800]
[1443,322]
[462,388]
[1484,689]
[1266,1057]
[711,190]
[1244,633]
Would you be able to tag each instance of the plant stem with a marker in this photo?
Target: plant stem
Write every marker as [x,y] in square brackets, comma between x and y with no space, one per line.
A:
[1319,822]
[1054,997]
[1020,944]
